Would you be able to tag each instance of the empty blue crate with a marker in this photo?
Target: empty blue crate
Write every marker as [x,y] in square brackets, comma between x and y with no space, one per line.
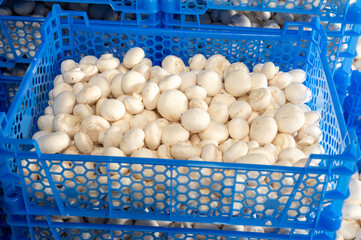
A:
[165,189]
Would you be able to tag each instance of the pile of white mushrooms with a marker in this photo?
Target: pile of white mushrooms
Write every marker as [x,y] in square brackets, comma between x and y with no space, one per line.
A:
[210,111]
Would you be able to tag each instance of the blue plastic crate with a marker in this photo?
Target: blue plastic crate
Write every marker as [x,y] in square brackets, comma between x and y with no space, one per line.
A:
[8,88]
[314,203]
[28,228]
[20,36]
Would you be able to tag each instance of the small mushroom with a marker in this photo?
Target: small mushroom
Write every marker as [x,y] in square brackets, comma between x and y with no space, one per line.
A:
[198,103]
[116,85]
[174,133]
[184,151]
[238,83]
[134,104]
[45,123]
[298,75]
[263,130]
[210,81]
[133,82]
[298,93]
[89,70]
[312,117]
[173,64]
[290,119]
[278,96]
[64,103]
[281,80]
[172,104]
[223,97]
[133,57]
[195,120]
[66,123]
[291,155]
[253,158]
[93,125]
[102,83]
[54,142]
[269,69]
[195,91]
[112,137]
[217,63]
[188,79]
[83,142]
[238,128]
[157,73]
[89,59]
[172,81]
[163,152]
[68,65]
[82,111]
[112,109]
[310,131]
[106,62]
[240,109]
[236,150]
[218,112]
[284,140]
[89,95]
[211,153]
[258,80]
[110,74]
[260,99]
[133,140]
[153,135]
[197,62]
[216,131]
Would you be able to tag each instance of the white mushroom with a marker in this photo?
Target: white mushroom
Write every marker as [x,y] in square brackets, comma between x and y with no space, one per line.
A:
[290,118]
[238,83]
[218,112]
[278,96]
[133,140]
[260,99]
[112,109]
[210,81]
[291,155]
[133,82]
[195,120]
[67,65]
[198,103]
[298,93]
[234,67]
[217,63]
[258,80]
[39,134]
[188,79]
[236,150]
[73,76]
[211,153]
[45,123]
[184,151]
[150,94]
[163,152]
[310,131]
[173,64]
[83,142]
[116,85]
[48,111]
[82,111]
[89,70]
[253,158]
[347,230]
[93,125]
[89,59]
[112,137]
[170,82]
[64,103]
[54,142]
[312,117]
[66,123]
[157,73]
[298,75]
[134,104]
[197,62]
[240,109]
[102,83]
[172,104]
[60,88]
[195,91]
[174,133]
[216,131]
[223,97]
[269,69]
[284,140]
[281,80]
[106,62]
[58,80]
[77,87]
[133,57]
[153,135]
[89,95]
[238,128]
[263,130]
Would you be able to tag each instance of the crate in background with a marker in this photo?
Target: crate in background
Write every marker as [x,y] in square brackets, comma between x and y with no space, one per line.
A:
[313,204]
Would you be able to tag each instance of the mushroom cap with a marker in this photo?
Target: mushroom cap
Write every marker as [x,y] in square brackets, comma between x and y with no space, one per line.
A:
[238,83]
[210,81]
[195,120]
[133,57]
[216,131]
[133,82]
[172,104]
[218,112]
[263,130]
[112,109]
[240,109]
[290,118]
[238,128]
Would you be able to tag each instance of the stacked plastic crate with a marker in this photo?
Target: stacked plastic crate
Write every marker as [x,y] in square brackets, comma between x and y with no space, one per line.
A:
[46,198]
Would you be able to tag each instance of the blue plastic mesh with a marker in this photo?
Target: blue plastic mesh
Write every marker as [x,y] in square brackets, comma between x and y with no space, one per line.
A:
[8,87]
[19,39]
[327,10]
[178,190]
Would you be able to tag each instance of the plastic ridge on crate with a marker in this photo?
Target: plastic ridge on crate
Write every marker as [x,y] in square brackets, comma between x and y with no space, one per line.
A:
[313,203]
[29,228]
[131,6]
[327,10]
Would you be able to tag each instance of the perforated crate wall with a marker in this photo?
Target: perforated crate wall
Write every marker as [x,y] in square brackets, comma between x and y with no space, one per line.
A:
[178,190]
